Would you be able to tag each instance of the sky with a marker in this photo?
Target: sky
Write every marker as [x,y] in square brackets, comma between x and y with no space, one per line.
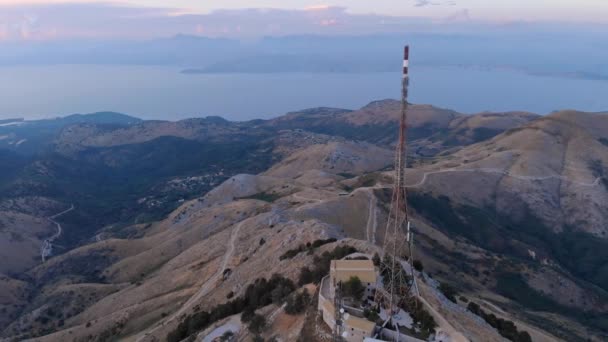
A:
[24,20]
[584,10]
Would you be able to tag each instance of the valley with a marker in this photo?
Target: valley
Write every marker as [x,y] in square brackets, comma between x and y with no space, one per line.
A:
[158,230]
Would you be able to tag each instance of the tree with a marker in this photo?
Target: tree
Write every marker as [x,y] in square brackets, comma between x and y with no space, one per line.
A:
[279,294]
[376,259]
[257,324]
[306,276]
[296,303]
[353,288]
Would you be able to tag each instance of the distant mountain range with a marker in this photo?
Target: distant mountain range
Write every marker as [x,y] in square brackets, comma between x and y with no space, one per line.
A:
[310,53]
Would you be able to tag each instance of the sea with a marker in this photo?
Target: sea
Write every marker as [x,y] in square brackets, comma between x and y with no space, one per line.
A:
[159,92]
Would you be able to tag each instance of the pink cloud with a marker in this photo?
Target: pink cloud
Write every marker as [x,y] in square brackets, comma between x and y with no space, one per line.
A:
[328,22]
[110,21]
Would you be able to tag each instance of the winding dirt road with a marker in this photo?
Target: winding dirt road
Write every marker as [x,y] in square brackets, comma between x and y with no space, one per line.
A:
[372,222]
[47,246]
[302,198]
[505,173]
[207,285]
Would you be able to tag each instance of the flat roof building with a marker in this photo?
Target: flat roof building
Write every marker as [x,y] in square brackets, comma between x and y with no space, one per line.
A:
[343,270]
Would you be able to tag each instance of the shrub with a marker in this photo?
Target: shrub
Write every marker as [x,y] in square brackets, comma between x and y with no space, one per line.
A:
[423,320]
[306,276]
[371,315]
[448,291]
[292,252]
[247,315]
[524,336]
[474,308]
[227,336]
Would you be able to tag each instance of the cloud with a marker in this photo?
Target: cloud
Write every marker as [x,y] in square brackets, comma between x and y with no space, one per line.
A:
[78,20]
[459,17]
[425,3]
[108,21]
[318,8]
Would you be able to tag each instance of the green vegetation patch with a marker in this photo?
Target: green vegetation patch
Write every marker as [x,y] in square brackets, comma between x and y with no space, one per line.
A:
[484,133]
[264,196]
[423,321]
[259,294]
[347,175]
[581,253]
[506,329]
[322,263]
[514,287]
[309,247]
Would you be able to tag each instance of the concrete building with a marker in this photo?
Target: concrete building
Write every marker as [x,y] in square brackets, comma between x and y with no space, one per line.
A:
[354,327]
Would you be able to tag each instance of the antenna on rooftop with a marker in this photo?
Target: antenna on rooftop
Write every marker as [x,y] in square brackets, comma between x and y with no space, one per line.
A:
[338,313]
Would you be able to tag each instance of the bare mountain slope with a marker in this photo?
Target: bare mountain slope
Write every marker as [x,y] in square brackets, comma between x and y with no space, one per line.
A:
[23,228]
[337,157]
[204,253]
[81,136]
[469,129]
[554,166]
[373,123]
[431,129]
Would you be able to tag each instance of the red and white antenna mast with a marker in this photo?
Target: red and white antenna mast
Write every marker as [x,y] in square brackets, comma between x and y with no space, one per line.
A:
[397,235]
